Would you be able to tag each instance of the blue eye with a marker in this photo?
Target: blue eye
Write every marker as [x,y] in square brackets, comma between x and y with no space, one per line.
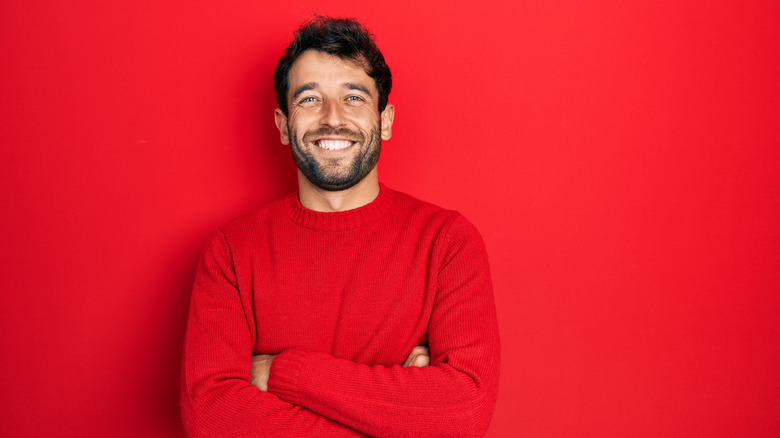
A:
[358,98]
[307,99]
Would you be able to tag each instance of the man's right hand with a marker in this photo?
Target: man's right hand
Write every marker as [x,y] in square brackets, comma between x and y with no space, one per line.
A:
[419,357]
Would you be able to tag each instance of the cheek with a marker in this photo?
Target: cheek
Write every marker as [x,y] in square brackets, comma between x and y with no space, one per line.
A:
[298,123]
[365,119]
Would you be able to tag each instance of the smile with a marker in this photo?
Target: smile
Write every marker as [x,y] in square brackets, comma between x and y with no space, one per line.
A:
[333,145]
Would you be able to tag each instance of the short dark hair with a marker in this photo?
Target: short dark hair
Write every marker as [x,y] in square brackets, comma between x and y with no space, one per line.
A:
[342,37]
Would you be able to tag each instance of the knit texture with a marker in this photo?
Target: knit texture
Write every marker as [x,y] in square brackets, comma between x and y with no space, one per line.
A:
[342,299]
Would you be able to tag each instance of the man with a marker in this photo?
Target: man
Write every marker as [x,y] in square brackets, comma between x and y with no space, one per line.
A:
[307,314]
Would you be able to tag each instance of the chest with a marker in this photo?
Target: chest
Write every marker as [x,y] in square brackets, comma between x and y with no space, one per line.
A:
[367,299]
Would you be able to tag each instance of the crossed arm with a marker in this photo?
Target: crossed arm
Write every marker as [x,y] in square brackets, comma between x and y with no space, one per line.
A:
[309,393]
[261,365]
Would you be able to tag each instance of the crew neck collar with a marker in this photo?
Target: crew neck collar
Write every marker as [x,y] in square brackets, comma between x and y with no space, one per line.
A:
[341,220]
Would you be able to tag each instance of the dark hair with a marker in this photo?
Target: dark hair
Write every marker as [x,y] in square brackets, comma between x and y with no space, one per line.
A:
[341,37]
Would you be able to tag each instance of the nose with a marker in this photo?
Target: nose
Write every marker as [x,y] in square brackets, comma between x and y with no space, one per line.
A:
[332,114]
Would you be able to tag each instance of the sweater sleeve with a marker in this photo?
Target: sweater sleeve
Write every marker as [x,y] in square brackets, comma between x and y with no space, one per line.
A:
[455,396]
[217,398]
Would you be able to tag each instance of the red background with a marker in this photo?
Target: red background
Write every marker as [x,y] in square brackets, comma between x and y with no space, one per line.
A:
[621,160]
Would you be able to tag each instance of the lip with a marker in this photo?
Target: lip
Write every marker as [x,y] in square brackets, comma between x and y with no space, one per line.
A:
[331,137]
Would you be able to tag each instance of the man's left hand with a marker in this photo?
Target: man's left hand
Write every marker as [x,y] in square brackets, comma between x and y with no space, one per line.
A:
[261,369]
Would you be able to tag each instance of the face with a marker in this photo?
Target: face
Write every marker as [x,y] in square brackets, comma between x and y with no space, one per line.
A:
[333,124]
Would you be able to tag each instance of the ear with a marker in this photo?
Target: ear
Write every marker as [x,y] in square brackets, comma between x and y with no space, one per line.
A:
[281,125]
[387,121]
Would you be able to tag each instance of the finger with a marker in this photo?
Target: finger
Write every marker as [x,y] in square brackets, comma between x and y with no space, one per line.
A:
[412,359]
[420,349]
[422,360]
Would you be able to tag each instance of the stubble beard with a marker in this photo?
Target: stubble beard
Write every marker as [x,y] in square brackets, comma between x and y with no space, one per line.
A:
[332,174]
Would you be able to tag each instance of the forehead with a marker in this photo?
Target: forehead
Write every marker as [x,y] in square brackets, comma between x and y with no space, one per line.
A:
[328,71]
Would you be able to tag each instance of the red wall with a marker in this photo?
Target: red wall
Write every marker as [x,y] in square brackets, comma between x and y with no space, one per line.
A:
[621,160]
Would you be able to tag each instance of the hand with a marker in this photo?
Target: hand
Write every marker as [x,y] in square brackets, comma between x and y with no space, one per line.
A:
[261,369]
[419,357]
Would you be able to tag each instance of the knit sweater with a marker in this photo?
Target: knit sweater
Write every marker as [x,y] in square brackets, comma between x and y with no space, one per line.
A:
[342,299]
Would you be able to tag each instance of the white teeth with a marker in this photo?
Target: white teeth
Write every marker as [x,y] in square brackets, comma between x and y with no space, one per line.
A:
[333,145]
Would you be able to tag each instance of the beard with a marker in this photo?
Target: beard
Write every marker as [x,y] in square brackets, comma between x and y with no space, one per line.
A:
[337,173]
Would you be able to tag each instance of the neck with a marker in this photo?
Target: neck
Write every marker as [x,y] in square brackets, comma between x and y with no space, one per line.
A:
[317,199]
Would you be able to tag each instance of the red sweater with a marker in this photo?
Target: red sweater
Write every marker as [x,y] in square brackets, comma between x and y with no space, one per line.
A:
[342,298]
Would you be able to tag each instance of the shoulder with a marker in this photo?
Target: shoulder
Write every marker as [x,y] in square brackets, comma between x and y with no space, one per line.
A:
[450,221]
[458,247]
[452,234]
[408,207]
[248,229]
[256,220]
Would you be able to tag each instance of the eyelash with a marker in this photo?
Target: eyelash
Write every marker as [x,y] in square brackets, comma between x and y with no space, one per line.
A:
[348,98]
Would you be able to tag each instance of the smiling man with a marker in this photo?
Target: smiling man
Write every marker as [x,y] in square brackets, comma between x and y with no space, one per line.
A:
[334,126]
[347,308]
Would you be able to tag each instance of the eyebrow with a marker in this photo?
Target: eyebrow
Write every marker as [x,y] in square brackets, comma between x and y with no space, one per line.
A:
[358,87]
[314,85]
[304,87]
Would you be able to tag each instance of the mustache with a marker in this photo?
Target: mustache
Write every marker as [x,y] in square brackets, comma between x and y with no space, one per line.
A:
[325,131]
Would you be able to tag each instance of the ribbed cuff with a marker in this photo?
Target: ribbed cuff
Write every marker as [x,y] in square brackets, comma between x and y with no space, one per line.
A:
[285,375]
